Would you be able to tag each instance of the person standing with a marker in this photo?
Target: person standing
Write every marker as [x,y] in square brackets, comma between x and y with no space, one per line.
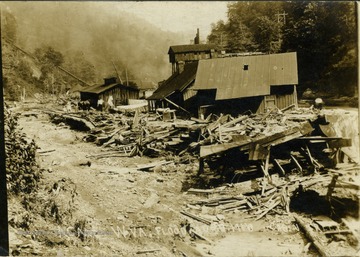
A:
[100,104]
[110,102]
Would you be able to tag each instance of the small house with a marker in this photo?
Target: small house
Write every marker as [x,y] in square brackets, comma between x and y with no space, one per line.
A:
[119,93]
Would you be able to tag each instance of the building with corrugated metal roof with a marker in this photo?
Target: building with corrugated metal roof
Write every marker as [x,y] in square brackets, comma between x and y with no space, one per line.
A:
[232,85]
[119,93]
[254,83]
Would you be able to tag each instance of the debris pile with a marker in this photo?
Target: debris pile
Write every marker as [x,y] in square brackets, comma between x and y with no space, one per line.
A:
[279,139]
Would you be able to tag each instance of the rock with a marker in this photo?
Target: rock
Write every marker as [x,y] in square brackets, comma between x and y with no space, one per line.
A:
[153,199]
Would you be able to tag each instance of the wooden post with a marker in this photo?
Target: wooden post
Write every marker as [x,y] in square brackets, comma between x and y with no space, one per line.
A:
[4,227]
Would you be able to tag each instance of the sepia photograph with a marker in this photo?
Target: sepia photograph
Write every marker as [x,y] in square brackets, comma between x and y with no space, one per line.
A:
[179,128]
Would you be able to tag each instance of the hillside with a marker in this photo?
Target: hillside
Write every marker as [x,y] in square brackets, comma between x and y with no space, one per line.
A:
[103,32]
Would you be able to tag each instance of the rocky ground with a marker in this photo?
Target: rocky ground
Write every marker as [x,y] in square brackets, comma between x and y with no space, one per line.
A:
[117,210]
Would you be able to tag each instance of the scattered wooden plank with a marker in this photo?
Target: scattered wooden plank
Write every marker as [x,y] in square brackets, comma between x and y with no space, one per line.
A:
[45,151]
[152,165]
[276,203]
[234,121]
[193,216]
[148,251]
[201,236]
[342,231]
[200,191]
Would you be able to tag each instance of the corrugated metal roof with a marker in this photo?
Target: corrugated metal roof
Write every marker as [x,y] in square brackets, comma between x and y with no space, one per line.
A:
[97,89]
[191,48]
[228,76]
[176,82]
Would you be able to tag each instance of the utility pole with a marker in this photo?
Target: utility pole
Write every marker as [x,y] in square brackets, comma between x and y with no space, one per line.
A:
[4,224]
[281,17]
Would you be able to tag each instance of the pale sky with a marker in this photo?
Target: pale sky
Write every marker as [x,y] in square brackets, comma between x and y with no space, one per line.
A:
[178,16]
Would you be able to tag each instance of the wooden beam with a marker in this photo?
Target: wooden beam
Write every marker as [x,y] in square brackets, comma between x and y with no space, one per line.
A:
[296,163]
[208,150]
[279,166]
[177,106]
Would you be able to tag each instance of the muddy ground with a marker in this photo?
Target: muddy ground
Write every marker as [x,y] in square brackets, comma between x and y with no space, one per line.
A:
[128,212]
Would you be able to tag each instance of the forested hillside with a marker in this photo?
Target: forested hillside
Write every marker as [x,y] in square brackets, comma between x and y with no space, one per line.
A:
[322,33]
[85,38]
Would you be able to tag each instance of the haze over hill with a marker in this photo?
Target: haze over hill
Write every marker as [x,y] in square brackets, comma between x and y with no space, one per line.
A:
[102,31]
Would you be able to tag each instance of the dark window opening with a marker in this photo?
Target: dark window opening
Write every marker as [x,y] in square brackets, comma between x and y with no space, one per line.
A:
[246,67]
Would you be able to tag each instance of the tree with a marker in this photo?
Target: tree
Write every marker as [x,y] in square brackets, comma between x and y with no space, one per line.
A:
[322,33]
[324,36]
[49,59]
[77,63]
[251,26]
[266,32]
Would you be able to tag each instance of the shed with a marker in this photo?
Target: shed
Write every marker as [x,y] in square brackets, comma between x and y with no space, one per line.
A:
[255,82]
[120,93]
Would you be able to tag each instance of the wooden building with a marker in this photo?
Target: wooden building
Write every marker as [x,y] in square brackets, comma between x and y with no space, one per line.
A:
[120,93]
[191,53]
[256,83]
[231,85]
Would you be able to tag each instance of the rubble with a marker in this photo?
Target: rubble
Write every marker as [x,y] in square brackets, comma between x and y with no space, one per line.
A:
[273,158]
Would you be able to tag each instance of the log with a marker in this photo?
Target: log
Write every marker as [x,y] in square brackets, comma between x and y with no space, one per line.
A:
[311,235]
